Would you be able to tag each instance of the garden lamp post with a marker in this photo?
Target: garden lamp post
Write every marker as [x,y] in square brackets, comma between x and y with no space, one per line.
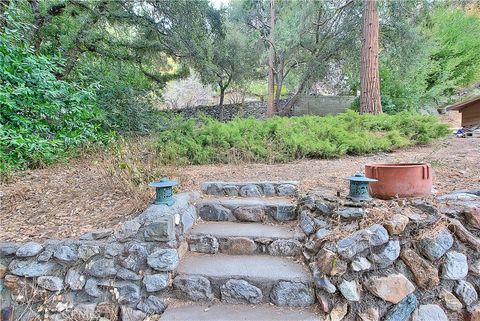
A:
[359,187]
[164,191]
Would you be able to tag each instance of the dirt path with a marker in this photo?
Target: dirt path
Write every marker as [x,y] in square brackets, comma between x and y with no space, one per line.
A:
[68,200]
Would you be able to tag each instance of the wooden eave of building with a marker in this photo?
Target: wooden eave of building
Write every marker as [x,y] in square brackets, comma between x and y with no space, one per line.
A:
[465,104]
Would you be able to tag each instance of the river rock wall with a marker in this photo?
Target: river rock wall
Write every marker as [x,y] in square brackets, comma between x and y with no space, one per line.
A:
[394,260]
[126,271]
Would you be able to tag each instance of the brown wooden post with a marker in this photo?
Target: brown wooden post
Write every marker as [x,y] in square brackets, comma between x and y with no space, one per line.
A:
[370,101]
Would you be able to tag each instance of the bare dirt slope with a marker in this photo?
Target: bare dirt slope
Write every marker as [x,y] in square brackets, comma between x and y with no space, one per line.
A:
[69,199]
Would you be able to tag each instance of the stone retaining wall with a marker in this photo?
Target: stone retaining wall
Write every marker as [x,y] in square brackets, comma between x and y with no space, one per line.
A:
[306,105]
[395,260]
[255,109]
[128,268]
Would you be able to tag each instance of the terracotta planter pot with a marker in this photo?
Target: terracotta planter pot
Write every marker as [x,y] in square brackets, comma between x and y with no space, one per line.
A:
[399,180]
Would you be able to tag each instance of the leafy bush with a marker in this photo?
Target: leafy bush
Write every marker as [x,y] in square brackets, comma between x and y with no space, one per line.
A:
[283,139]
[42,119]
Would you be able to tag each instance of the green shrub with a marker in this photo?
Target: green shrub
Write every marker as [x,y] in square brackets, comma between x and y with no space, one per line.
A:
[42,118]
[283,139]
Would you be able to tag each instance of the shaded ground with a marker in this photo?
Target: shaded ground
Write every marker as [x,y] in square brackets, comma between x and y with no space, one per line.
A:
[70,199]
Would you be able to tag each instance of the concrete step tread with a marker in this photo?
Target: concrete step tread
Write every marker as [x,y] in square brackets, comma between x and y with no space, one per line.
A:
[228,312]
[252,267]
[249,230]
[247,201]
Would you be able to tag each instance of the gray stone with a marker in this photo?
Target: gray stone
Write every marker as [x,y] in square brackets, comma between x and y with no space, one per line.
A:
[91,288]
[286,189]
[466,292]
[32,269]
[429,312]
[306,222]
[193,288]
[113,250]
[152,305]
[126,274]
[455,266]
[50,283]
[8,249]
[240,291]
[65,254]
[402,310]
[387,255]
[128,293]
[323,283]
[285,213]
[155,282]
[351,213]
[45,256]
[101,268]
[434,247]
[322,233]
[230,190]
[268,189]
[362,240]
[127,231]
[213,188]
[162,230]
[86,251]
[250,213]
[323,208]
[188,218]
[285,248]
[249,190]
[203,244]
[360,264]
[349,290]
[136,259]
[29,249]
[163,259]
[129,314]
[215,212]
[294,294]
[74,280]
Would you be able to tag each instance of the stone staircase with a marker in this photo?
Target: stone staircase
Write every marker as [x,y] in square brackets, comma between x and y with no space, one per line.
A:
[246,249]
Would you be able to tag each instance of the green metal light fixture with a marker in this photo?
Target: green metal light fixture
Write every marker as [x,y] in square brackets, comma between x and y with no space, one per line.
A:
[164,191]
[359,187]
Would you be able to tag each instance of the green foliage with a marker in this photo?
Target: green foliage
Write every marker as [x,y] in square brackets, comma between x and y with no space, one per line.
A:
[455,56]
[42,119]
[284,139]
[123,93]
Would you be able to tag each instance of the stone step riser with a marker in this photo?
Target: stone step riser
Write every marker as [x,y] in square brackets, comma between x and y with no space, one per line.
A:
[258,290]
[230,211]
[244,279]
[250,189]
[239,245]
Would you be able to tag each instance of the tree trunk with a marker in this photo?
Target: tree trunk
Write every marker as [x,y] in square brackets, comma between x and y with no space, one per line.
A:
[370,101]
[279,83]
[271,62]
[220,104]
